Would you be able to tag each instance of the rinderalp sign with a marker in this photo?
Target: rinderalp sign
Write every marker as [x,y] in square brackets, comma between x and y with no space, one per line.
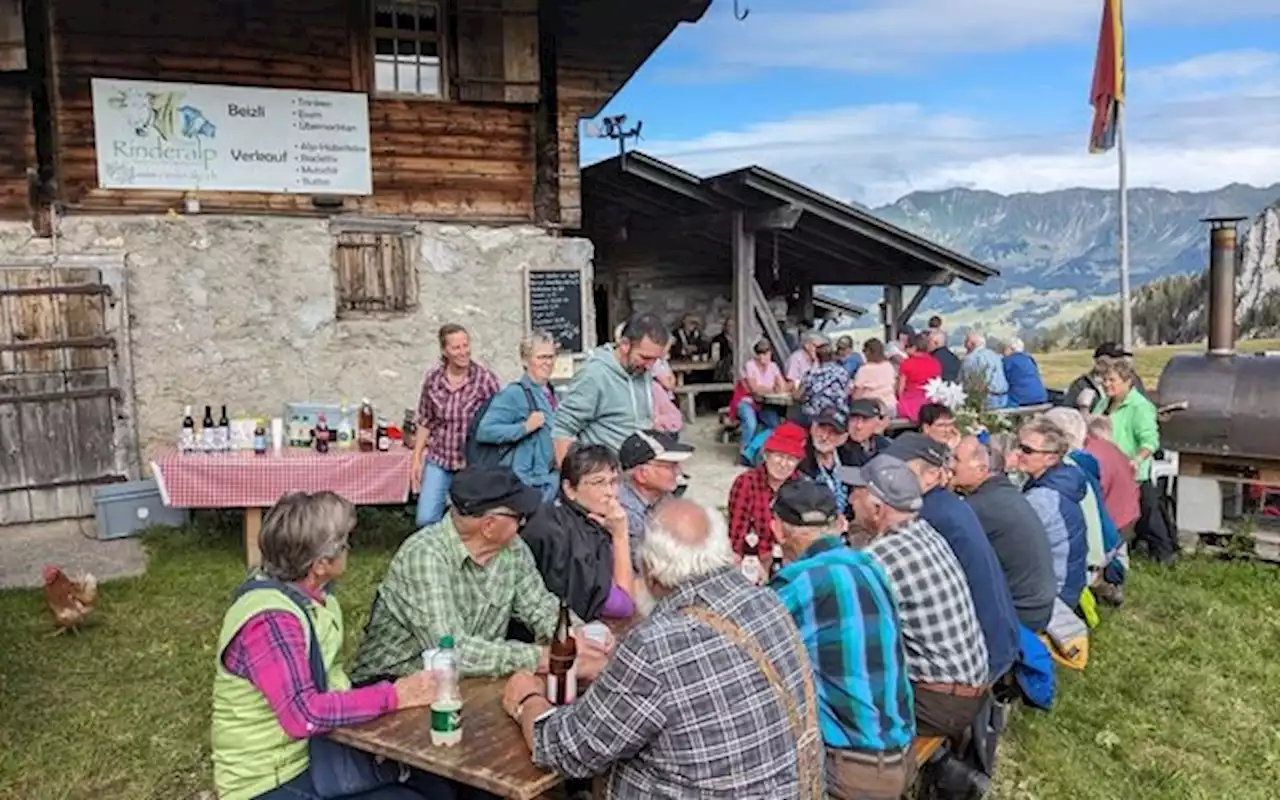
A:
[194,137]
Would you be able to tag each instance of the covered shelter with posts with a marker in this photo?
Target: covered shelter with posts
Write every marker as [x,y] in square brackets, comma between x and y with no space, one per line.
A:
[750,245]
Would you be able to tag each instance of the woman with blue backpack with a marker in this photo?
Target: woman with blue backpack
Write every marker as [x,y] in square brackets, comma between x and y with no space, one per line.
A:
[513,429]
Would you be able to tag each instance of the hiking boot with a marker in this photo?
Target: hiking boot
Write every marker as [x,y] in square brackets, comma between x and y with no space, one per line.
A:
[1109,594]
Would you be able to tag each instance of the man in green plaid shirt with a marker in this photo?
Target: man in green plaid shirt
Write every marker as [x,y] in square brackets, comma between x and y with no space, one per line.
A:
[467,577]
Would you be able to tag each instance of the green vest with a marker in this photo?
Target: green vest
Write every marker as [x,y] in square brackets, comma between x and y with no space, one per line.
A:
[251,752]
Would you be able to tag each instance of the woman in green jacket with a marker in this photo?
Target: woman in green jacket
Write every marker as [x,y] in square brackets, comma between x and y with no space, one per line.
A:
[266,706]
[1135,430]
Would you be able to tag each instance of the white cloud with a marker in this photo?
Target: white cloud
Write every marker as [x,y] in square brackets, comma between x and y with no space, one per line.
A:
[1184,137]
[901,35]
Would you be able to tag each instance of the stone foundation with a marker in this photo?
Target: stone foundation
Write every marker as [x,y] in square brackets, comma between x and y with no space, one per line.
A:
[241,310]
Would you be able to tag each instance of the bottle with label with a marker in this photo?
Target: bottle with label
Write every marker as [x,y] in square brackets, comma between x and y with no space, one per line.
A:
[208,433]
[365,433]
[562,678]
[346,431]
[187,440]
[383,436]
[322,434]
[751,566]
[224,432]
[260,438]
[775,565]
[446,710]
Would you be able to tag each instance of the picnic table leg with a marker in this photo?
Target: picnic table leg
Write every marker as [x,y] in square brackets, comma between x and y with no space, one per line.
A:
[252,529]
[686,400]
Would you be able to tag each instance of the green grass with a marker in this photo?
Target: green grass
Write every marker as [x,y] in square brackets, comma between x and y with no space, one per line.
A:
[1060,368]
[1179,700]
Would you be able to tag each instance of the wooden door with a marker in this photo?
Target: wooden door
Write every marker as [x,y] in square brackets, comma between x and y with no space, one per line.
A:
[60,397]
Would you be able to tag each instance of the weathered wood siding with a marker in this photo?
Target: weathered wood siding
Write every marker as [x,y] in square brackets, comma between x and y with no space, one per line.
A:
[17,145]
[430,159]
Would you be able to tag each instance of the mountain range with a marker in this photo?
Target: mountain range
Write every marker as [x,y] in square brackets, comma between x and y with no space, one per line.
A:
[1057,251]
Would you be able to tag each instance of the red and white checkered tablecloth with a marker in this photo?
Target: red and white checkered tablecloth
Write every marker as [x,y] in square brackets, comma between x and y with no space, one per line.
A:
[248,480]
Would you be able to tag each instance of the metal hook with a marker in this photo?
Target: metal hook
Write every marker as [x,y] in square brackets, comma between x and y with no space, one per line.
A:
[742,14]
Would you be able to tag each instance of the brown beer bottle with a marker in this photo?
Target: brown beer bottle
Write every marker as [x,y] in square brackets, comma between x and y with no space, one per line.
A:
[366,437]
[562,679]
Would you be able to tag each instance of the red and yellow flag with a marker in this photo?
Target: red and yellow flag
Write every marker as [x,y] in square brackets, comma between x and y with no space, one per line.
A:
[1108,78]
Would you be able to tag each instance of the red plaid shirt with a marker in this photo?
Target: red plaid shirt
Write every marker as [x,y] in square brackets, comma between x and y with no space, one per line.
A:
[445,412]
[751,508]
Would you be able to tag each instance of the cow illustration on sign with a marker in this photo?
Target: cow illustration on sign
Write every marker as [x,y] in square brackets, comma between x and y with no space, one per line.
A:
[160,113]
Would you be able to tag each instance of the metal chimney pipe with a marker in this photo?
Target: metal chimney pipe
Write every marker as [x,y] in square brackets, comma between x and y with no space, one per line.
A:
[1222,284]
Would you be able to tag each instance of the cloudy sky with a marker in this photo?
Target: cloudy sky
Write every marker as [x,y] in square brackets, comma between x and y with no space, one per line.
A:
[872,99]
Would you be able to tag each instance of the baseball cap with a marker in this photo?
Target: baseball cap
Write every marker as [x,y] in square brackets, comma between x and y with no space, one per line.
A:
[832,417]
[642,447]
[805,503]
[866,408]
[476,491]
[1111,350]
[788,439]
[910,446]
[887,478]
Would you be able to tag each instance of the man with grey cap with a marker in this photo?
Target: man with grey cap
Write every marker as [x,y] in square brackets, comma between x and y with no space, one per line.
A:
[955,521]
[946,653]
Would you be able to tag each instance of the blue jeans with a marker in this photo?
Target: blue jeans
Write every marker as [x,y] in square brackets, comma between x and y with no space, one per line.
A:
[426,787]
[434,495]
[752,420]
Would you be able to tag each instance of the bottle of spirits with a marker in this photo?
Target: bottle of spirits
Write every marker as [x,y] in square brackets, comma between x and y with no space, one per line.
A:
[224,431]
[383,436]
[365,434]
[208,433]
[322,434]
[775,565]
[346,431]
[562,679]
[187,440]
[260,438]
[751,566]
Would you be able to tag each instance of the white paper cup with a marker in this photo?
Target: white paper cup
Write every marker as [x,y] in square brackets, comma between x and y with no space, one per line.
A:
[597,632]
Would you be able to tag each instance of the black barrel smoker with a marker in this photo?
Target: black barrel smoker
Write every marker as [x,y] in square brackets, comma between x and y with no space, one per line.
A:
[1227,436]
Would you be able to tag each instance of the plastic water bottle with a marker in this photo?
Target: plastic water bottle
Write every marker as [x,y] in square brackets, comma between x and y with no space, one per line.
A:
[446,711]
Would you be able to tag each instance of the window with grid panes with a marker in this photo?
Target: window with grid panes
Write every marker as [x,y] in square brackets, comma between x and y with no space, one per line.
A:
[408,47]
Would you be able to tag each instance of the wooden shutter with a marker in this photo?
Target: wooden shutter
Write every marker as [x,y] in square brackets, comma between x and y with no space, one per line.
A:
[376,272]
[13,48]
[496,51]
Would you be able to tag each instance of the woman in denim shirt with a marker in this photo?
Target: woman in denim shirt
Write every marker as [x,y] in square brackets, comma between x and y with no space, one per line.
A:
[521,417]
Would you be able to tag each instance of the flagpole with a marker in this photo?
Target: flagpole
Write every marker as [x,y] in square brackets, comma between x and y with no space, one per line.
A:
[1126,309]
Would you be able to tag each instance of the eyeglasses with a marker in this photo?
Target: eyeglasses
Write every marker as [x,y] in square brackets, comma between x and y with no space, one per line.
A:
[520,519]
[600,483]
[1027,449]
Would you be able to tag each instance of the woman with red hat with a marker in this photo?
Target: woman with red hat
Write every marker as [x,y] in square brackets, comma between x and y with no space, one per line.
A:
[751,498]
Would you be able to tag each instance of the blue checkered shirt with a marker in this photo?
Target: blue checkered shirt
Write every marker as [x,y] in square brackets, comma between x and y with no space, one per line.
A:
[841,601]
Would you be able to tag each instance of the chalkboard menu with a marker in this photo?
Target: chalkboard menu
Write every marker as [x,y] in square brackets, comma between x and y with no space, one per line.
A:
[555,306]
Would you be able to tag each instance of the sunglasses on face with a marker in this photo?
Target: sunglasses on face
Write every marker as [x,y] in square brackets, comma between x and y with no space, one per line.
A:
[1027,449]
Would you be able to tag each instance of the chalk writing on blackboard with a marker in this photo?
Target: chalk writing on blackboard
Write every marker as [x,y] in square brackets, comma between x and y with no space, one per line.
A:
[555,306]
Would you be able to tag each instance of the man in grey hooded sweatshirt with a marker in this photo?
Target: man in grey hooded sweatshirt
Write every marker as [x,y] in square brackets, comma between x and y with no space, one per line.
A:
[611,396]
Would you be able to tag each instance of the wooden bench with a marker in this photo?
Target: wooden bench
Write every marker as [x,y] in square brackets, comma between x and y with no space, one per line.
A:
[688,394]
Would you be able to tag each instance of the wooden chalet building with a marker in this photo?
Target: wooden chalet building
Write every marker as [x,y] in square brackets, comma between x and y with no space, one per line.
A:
[250,202]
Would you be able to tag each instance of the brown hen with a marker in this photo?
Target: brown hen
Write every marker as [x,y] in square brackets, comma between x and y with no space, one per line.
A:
[70,599]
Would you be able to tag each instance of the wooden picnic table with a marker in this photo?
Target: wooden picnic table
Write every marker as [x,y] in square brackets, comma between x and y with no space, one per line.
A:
[682,368]
[492,754]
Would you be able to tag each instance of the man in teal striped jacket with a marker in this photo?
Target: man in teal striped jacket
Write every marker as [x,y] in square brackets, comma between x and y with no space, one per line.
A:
[843,605]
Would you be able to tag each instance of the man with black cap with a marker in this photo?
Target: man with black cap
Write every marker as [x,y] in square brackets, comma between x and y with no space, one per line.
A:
[1085,392]
[865,424]
[467,577]
[651,466]
[827,433]
[946,653]
[845,611]
[956,522]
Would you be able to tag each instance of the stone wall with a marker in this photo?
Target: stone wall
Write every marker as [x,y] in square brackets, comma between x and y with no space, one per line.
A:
[241,309]
[711,303]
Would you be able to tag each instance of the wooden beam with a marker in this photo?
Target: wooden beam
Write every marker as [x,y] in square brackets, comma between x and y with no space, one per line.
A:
[890,310]
[904,316]
[744,275]
[783,218]
[546,132]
